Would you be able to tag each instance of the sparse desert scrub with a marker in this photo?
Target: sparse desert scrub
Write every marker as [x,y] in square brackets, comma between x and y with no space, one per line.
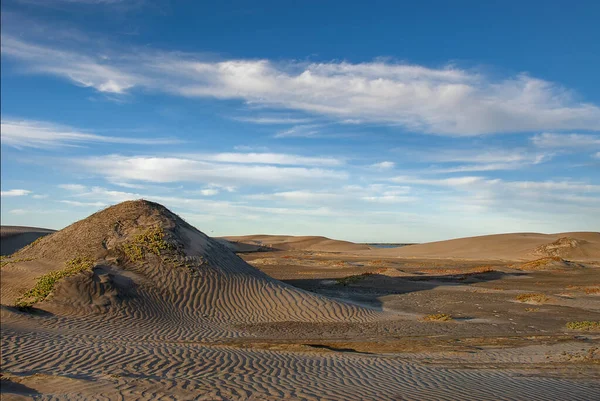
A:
[437,317]
[588,289]
[532,309]
[532,297]
[150,241]
[352,279]
[45,284]
[585,325]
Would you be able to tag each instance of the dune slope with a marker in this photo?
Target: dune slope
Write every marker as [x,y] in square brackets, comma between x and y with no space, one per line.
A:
[519,246]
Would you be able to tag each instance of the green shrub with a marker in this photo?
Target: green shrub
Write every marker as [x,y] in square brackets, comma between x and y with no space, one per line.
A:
[45,284]
[6,260]
[150,241]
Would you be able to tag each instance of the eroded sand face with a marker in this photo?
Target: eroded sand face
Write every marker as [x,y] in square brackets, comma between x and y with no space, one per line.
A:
[227,331]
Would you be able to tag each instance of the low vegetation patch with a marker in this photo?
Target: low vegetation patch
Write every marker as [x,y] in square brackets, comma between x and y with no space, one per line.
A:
[437,317]
[150,241]
[6,260]
[46,283]
[586,325]
[352,279]
[532,297]
[532,309]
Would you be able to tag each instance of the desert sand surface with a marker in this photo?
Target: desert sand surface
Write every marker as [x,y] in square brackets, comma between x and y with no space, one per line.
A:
[144,306]
[16,237]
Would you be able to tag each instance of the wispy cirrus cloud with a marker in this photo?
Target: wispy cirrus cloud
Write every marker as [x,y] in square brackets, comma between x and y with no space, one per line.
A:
[267,158]
[481,159]
[385,165]
[566,141]
[446,100]
[182,169]
[271,120]
[20,133]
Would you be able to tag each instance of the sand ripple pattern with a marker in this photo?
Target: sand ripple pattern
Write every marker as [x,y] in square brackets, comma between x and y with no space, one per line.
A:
[109,368]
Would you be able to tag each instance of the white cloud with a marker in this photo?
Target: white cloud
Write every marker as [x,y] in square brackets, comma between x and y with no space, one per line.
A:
[386,165]
[39,196]
[15,192]
[73,187]
[83,204]
[477,159]
[39,134]
[566,141]
[174,169]
[209,191]
[299,196]
[299,131]
[480,194]
[444,100]
[273,120]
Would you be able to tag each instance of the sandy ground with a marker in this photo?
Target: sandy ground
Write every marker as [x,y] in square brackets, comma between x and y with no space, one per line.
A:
[294,326]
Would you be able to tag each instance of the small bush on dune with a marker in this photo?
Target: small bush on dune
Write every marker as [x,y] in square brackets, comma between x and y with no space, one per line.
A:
[150,241]
[532,297]
[46,283]
[585,325]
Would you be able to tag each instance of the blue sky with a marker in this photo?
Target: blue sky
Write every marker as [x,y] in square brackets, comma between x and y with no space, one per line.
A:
[366,121]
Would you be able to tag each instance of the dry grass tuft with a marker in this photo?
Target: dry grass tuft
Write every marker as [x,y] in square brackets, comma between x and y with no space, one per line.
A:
[532,297]
[532,309]
[539,264]
[437,317]
[585,325]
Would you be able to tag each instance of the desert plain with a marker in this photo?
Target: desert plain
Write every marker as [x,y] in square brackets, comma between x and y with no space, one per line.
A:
[135,303]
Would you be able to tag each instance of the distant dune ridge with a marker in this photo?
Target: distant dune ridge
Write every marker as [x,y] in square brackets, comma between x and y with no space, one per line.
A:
[519,246]
[289,242]
[194,279]
[13,238]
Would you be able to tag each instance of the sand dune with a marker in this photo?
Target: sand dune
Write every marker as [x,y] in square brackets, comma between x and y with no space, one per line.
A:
[289,242]
[13,238]
[519,246]
[197,279]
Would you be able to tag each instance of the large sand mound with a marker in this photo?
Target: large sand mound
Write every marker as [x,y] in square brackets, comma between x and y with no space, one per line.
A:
[247,243]
[13,238]
[151,267]
[519,246]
